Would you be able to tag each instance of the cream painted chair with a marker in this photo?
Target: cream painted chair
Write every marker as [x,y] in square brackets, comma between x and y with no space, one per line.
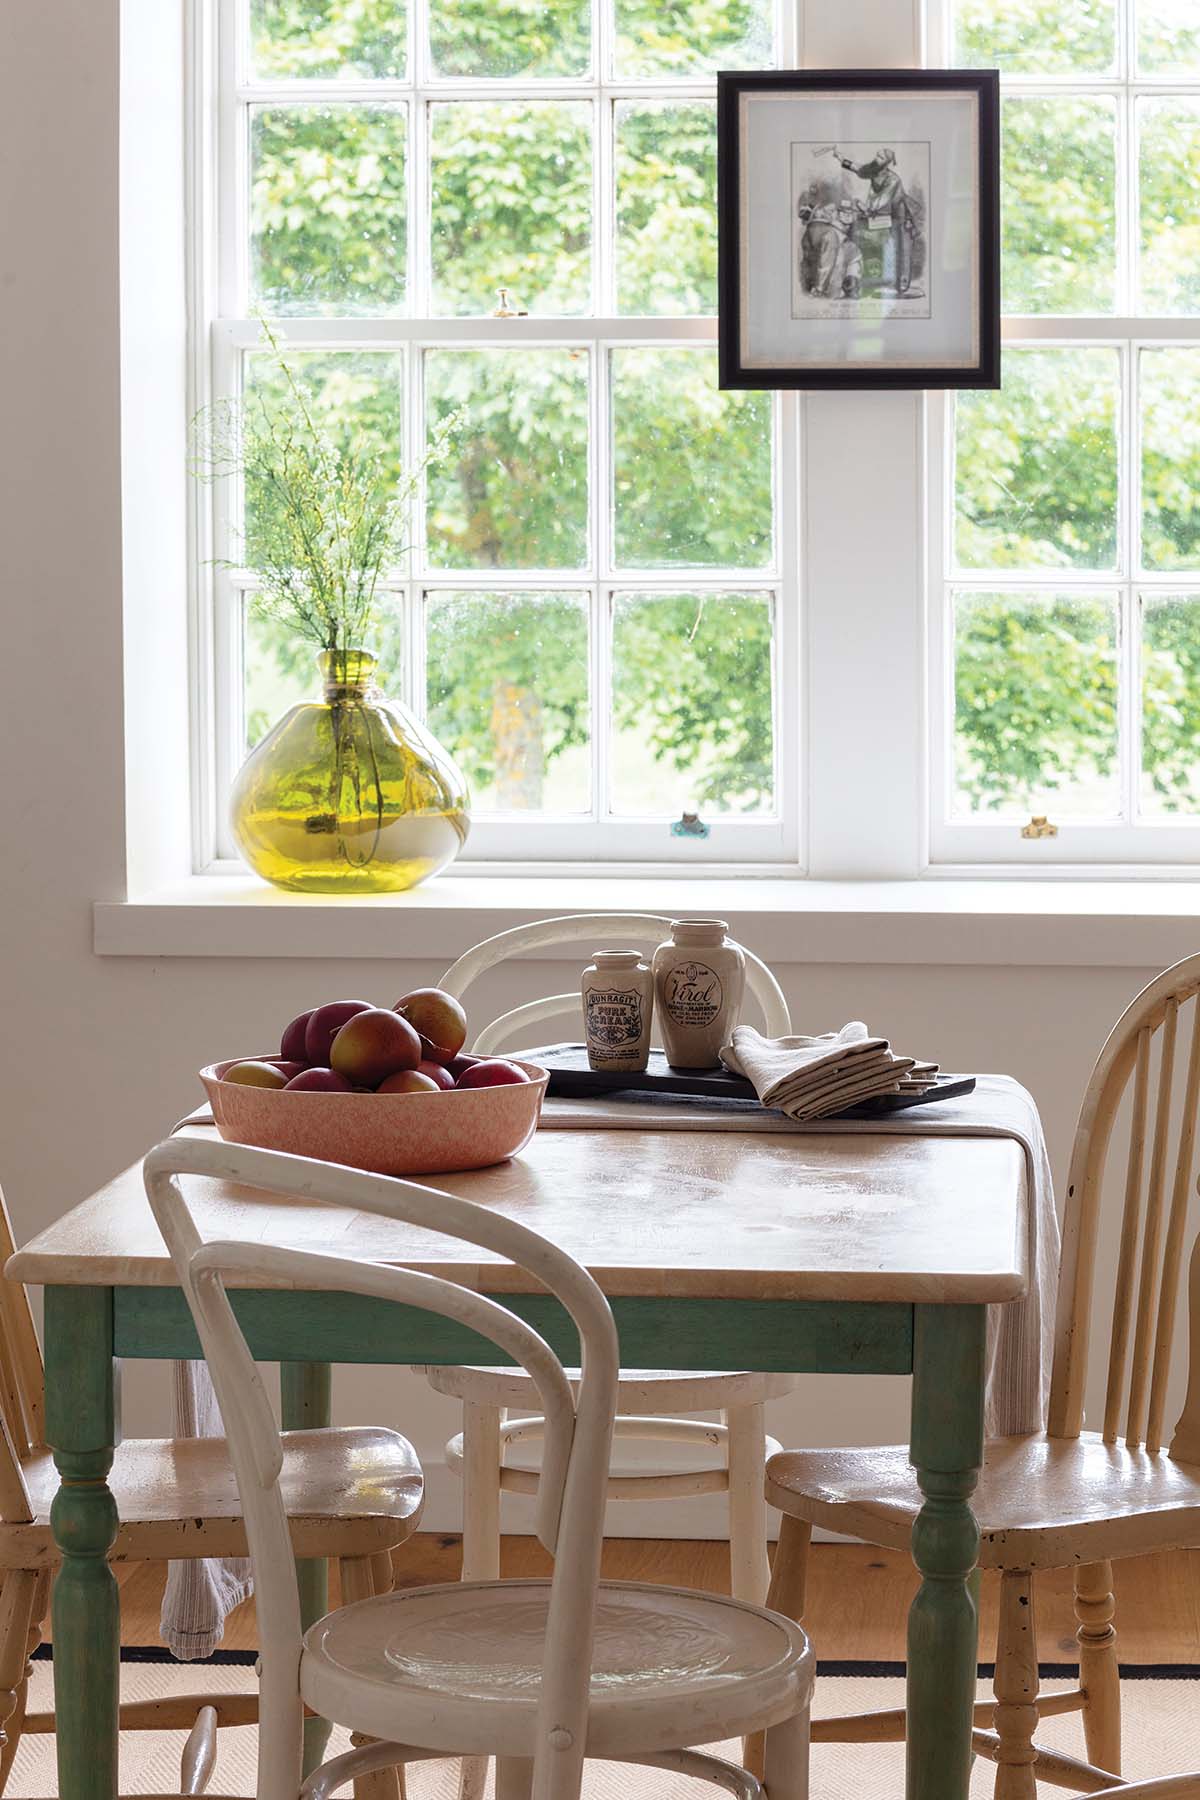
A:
[353,1493]
[537,1673]
[1065,1498]
[649,1403]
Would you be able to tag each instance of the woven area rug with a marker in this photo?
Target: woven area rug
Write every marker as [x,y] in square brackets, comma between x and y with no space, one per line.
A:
[1162,1735]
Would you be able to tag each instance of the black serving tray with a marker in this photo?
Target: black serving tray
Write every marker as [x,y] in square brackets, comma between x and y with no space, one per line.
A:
[572,1078]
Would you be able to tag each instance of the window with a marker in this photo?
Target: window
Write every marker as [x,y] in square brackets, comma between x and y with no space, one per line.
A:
[1066,645]
[598,612]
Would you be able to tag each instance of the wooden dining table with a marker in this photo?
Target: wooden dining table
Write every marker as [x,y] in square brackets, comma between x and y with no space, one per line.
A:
[817,1253]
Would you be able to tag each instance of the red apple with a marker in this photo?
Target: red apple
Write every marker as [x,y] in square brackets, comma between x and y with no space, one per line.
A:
[291,1044]
[286,1068]
[437,1072]
[373,1045]
[324,1023]
[254,1072]
[436,1017]
[491,1071]
[318,1081]
[457,1064]
[408,1081]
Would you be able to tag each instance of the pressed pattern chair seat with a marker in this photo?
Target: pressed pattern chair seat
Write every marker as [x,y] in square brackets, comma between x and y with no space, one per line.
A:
[178,1496]
[1039,1499]
[638,1391]
[459,1667]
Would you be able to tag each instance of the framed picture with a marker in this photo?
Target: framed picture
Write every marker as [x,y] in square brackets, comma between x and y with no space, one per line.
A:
[859,229]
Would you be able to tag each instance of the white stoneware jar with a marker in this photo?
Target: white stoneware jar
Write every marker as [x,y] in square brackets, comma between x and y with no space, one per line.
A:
[618,1005]
[699,979]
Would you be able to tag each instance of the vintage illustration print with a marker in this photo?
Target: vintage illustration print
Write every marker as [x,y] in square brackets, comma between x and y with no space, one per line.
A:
[860,225]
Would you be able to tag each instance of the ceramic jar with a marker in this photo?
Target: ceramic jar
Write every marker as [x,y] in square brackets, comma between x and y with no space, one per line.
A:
[618,1005]
[699,979]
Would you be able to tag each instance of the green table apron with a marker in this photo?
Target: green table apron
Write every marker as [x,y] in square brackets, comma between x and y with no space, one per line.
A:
[88,1330]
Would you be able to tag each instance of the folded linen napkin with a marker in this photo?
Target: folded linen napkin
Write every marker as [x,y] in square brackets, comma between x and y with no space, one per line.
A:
[816,1077]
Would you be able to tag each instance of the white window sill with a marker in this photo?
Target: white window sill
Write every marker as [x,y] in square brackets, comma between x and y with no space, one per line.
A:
[1139,923]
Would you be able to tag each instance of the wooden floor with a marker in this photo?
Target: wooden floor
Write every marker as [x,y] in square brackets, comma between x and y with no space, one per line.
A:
[859,1597]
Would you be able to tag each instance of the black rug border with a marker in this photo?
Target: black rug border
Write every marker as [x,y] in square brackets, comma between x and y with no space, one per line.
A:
[1047,1671]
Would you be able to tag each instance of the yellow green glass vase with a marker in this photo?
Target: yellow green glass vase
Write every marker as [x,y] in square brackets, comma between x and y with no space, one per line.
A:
[349,794]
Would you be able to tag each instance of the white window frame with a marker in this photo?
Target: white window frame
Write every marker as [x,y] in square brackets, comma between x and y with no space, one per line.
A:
[1082,846]
[222,333]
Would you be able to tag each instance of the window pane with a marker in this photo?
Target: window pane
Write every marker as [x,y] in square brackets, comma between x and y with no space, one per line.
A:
[507,693]
[280,669]
[512,206]
[1169,178]
[1036,464]
[692,685]
[666,207]
[486,39]
[1170,704]
[328,208]
[1170,395]
[1035,688]
[1059,205]
[355,396]
[689,37]
[1168,37]
[692,465]
[513,491]
[348,38]
[1037,37]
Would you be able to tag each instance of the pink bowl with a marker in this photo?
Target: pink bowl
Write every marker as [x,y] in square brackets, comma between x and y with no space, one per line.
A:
[390,1134]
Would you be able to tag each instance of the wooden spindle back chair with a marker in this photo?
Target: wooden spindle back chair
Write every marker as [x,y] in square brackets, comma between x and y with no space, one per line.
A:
[1150,1064]
[28,1556]
[1068,1497]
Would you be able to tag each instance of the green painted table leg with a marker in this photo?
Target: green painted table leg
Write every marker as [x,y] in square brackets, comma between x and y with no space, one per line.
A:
[82,1430]
[306,1401]
[943,1624]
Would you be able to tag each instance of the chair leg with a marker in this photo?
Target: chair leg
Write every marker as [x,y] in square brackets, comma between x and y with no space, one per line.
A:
[199,1757]
[749,1567]
[1098,1674]
[1016,1686]
[786,1594]
[12,1726]
[785,1759]
[514,1777]
[358,1583]
[17,1597]
[481,1536]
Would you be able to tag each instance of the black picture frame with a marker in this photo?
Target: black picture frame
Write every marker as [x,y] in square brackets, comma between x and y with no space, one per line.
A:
[982,369]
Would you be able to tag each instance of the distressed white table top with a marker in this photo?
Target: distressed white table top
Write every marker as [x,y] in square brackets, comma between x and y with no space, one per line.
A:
[722,1214]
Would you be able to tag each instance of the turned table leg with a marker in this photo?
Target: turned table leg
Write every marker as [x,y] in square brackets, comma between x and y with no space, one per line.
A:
[943,1625]
[306,1402]
[82,1430]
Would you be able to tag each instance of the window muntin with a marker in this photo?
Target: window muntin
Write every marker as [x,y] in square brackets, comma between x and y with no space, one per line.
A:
[373,174]
[1064,550]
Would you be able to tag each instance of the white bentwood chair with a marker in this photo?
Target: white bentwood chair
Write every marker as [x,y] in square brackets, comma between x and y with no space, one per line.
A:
[499,1405]
[537,1673]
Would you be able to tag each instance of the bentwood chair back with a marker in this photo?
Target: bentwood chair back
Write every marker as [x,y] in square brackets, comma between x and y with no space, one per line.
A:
[1139,1066]
[636,929]
[387,1666]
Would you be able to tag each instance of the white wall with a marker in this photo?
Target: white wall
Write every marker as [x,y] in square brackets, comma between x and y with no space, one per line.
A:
[97,1055]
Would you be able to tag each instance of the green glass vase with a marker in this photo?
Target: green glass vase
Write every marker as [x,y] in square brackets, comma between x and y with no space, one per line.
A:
[349,794]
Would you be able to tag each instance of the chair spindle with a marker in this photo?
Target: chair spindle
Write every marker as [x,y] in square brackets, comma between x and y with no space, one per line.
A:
[1168,1294]
[1135,1418]
[1130,1220]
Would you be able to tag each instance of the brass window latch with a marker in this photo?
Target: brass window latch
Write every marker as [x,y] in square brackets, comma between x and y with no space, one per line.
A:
[506,309]
[1039,827]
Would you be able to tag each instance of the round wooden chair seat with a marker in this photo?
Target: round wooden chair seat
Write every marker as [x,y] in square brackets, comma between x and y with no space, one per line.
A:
[458,1667]
[641,1393]
[1039,1502]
